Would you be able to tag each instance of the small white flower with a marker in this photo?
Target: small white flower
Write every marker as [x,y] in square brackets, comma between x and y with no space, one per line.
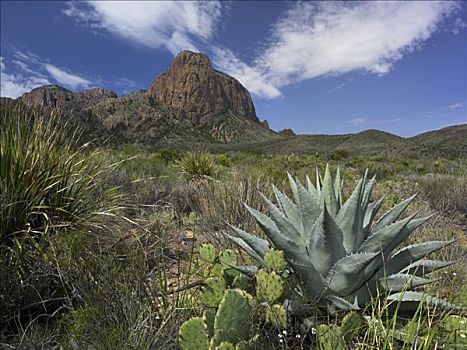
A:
[454,274]
[462,335]
[284,332]
[313,331]
[297,336]
[279,335]
[281,340]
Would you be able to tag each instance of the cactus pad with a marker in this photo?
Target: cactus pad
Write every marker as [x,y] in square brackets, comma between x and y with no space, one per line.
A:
[276,316]
[274,260]
[228,258]
[207,252]
[329,337]
[269,286]
[212,292]
[226,346]
[233,318]
[192,335]
[351,325]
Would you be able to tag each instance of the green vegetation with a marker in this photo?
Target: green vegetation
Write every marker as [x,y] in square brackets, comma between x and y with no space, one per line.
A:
[127,248]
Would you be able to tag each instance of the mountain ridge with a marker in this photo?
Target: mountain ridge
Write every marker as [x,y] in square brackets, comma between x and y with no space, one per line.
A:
[193,105]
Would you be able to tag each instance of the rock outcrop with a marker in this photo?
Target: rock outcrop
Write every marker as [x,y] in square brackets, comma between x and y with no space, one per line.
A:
[54,96]
[193,90]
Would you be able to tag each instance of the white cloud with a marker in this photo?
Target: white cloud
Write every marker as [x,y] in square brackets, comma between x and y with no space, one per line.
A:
[456,105]
[358,121]
[330,38]
[67,79]
[170,24]
[315,39]
[386,121]
[15,84]
[253,79]
[29,71]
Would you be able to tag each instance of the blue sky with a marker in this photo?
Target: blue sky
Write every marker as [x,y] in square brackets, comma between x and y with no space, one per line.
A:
[315,67]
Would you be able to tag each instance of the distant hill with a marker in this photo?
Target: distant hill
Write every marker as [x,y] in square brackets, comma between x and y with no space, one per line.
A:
[192,105]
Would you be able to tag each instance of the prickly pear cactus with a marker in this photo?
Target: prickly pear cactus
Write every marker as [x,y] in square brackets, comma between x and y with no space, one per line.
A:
[212,291]
[208,252]
[233,318]
[228,258]
[192,335]
[329,337]
[274,260]
[276,316]
[269,286]
[226,346]
[351,325]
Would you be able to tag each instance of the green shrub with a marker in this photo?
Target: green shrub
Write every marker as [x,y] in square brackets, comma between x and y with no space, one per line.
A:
[197,166]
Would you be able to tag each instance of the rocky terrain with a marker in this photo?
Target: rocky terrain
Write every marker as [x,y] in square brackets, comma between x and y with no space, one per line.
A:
[194,105]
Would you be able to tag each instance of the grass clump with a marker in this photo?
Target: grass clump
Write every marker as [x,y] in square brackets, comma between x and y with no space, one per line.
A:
[198,166]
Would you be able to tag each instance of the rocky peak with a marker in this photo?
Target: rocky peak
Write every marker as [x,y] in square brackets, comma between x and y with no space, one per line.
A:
[98,93]
[287,132]
[192,89]
[52,96]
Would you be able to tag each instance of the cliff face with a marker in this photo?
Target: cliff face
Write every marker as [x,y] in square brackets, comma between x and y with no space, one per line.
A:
[192,89]
[54,96]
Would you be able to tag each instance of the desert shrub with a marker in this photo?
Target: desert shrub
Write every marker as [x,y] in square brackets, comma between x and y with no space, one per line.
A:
[48,185]
[197,166]
[445,192]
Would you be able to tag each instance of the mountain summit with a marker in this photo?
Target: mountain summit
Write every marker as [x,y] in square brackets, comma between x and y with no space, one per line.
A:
[192,89]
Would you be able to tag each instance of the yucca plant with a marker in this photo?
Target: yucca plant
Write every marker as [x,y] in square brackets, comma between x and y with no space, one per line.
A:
[47,180]
[340,256]
[197,166]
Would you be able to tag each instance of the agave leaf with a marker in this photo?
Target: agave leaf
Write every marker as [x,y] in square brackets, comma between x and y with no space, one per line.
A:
[412,253]
[326,245]
[293,186]
[350,219]
[338,303]
[348,273]
[311,188]
[328,195]
[393,214]
[400,282]
[310,210]
[253,246]
[370,213]
[338,188]
[289,208]
[411,300]
[248,270]
[312,281]
[367,192]
[424,267]
[280,241]
[284,225]
[405,233]
[381,239]
[319,182]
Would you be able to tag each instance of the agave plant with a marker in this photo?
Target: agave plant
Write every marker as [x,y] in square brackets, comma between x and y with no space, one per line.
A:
[339,254]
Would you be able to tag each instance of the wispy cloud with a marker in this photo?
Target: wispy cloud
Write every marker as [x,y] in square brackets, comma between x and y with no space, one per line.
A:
[15,84]
[387,121]
[250,77]
[28,71]
[358,121]
[65,78]
[337,87]
[456,105]
[175,25]
[315,39]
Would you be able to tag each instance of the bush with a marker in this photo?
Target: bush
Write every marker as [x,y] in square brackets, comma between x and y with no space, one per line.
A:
[197,166]
[47,186]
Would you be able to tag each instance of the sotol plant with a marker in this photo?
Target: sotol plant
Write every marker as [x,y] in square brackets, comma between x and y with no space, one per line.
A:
[340,256]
